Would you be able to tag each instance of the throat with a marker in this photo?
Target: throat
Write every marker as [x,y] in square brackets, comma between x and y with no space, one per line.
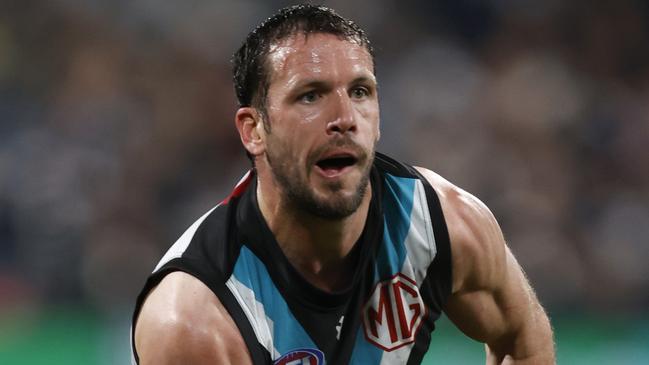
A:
[324,254]
[332,277]
[322,250]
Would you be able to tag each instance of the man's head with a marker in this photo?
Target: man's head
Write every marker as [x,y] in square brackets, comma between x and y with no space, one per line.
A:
[251,70]
[309,113]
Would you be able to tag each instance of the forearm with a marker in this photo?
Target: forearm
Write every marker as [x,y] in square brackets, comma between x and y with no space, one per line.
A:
[540,359]
[531,345]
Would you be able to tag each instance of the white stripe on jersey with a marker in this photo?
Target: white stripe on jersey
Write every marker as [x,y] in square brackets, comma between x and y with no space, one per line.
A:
[398,356]
[178,248]
[420,241]
[421,250]
[255,313]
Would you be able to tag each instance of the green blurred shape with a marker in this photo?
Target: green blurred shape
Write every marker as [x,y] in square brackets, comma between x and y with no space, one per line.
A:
[581,340]
[615,340]
[67,336]
[450,346]
[58,336]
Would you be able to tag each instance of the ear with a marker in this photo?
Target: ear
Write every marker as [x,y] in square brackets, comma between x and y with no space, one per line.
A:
[251,130]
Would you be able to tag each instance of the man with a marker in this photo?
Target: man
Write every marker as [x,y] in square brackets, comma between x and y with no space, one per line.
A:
[327,252]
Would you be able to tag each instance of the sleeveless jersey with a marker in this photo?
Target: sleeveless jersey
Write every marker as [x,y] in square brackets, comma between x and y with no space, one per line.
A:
[386,315]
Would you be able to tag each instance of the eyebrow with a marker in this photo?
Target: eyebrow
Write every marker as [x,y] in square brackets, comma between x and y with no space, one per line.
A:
[309,83]
[319,84]
[364,80]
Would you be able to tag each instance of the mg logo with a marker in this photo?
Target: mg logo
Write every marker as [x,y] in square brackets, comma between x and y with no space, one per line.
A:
[394,313]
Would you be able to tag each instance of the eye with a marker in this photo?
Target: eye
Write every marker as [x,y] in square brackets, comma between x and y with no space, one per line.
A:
[309,97]
[359,92]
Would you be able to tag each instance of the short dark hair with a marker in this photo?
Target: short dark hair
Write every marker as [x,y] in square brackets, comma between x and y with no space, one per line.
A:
[251,74]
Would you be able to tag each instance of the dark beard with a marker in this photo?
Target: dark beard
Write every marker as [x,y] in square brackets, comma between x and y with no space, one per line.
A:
[335,209]
[300,196]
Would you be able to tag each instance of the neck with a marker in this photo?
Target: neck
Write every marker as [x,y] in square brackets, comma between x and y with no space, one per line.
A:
[320,249]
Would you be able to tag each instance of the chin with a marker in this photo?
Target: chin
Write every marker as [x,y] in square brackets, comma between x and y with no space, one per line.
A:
[338,204]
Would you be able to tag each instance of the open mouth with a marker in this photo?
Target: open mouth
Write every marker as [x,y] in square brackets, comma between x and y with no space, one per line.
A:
[333,165]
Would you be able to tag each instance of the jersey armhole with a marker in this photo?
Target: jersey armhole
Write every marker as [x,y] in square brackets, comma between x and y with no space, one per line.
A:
[441,268]
[216,282]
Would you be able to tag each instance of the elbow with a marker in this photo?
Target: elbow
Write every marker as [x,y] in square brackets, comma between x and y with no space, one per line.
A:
[532,344]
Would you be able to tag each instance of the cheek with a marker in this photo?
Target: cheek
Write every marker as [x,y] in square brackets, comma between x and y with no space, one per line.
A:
[369,114]
[290,140]
[311,116]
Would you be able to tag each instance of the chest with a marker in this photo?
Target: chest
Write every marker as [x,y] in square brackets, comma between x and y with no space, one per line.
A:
[386,317]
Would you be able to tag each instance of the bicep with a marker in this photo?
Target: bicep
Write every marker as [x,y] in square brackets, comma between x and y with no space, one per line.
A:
[168,343]
[492,311]
[491,300]
[490,293]
[183,322]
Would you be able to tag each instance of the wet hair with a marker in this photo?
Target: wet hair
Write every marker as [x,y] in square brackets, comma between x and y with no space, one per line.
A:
[251,71]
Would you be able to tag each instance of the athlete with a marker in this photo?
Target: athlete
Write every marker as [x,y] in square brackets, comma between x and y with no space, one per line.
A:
[327,251]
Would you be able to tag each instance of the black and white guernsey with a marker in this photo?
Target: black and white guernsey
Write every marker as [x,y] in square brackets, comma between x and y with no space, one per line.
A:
[385,316]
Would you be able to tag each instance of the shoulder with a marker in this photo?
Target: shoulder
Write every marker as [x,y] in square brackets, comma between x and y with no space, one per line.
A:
[477,245]
[182,321]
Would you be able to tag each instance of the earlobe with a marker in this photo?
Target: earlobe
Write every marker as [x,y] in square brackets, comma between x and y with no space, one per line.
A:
[250,127]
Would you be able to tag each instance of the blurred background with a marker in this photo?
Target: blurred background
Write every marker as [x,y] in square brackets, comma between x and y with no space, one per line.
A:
[116,133]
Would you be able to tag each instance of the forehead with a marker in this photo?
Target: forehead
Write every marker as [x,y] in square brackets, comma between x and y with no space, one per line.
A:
[318,55]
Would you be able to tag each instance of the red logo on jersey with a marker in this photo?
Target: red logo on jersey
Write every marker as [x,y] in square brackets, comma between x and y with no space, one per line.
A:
[394,313]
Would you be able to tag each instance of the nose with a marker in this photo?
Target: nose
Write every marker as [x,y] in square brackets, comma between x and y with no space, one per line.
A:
[343,120]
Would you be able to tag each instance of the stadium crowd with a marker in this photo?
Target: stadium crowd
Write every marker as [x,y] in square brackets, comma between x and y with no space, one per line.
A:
[117,132]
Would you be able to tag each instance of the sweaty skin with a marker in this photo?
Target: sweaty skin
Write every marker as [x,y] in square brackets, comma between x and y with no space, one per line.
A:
[323,99]
[183,322]
[491,300]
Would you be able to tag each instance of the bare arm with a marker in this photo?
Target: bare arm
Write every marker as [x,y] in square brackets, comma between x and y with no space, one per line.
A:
[183,322]
[491,301]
